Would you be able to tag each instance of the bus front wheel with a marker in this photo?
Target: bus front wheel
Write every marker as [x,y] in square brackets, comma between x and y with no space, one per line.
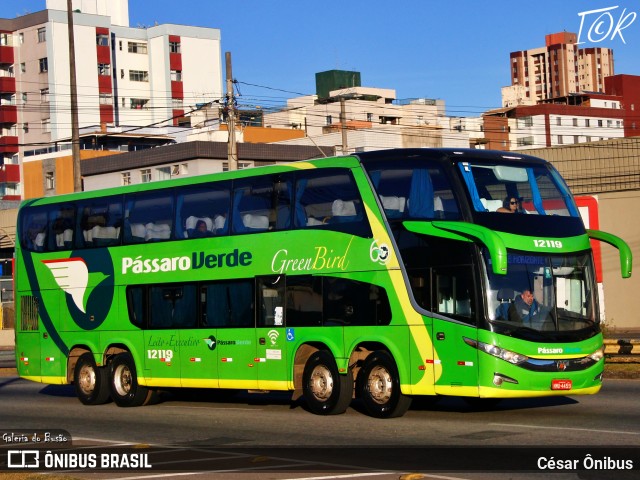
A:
[325,390]
[379,387]
[125,390]
[90,381]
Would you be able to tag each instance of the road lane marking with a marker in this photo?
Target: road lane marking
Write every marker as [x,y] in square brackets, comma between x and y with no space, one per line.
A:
[617,432]
[426,476]
[347,475]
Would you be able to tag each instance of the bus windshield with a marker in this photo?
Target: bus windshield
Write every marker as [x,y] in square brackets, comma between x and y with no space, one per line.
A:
[542,292]
[538,189]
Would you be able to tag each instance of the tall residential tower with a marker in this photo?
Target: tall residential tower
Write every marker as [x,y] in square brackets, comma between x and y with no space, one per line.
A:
[556,70]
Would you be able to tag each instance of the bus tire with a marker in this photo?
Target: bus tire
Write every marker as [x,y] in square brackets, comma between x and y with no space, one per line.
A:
[379,387]
[325,390]
[125,390]
[90,381]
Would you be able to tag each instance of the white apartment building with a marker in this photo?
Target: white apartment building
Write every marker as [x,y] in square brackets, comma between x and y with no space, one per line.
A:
[126,76]
[592,118]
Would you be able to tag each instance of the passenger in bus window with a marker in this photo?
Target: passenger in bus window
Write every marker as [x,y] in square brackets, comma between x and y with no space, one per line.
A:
[201,230]
[35,237]
[510,205]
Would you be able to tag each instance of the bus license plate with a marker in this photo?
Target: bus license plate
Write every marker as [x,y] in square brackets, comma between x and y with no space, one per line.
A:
[561,385]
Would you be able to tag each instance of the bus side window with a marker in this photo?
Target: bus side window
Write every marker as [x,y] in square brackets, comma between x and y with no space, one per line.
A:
[148,217]
[350,302]
[410,192]
[453,292]
[227,304]
[262,204]
[207,205]
[271,301]
[137,305]
[100,223]
[61,224]
[173,306]
[329,199]
[34,229]
[304,301]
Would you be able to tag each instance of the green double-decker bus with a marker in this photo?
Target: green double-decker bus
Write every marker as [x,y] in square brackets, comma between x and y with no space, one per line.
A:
[378,276]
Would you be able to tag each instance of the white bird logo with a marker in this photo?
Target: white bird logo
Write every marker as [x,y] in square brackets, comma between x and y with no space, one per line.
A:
[72,276]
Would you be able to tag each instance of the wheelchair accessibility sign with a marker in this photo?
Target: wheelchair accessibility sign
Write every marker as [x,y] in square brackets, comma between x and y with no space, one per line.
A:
[291,335]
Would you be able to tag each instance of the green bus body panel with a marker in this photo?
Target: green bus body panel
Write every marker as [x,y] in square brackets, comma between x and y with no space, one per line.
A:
[462,231]
[431,354]
[626,256]
[538,383]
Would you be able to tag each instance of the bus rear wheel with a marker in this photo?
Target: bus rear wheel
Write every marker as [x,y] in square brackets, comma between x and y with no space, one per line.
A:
[325,390]
[90,381]
[125,390]
[379,387]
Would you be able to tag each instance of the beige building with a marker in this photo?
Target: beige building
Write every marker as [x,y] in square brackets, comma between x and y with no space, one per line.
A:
[605,177]
[556,70]
[374,120]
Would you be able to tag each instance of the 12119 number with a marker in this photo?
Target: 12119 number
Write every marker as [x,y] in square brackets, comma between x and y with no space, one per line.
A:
[547,243]
[160,354]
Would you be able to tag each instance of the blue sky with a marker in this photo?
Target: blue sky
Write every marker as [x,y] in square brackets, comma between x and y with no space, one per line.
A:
[455,51]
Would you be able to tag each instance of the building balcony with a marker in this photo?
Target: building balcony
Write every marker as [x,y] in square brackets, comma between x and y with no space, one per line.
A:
[6,54]
[7,84]
[9,144]
[104,53]
[8,114]
[104,84]
[10,198]
[9,173]
[175,61]
[177,90]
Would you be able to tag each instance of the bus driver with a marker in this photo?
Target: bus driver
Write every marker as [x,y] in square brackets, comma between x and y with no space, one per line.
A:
[524,308]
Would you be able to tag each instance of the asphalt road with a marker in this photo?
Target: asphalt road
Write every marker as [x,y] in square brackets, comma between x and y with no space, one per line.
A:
[7,358]
[235,432]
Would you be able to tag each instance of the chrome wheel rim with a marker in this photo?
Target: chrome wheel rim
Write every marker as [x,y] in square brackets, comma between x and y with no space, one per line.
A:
[321,383]
[87,380]
[122,380]
[380,385]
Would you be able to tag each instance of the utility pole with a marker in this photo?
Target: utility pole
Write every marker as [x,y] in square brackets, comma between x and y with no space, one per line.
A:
[343,125]
[75,130]
[232,152]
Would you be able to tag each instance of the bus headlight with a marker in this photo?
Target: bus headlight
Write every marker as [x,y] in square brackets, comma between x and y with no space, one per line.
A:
[597,355]
[501,353]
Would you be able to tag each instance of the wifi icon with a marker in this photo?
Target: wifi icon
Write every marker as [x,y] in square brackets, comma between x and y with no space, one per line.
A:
[273,336]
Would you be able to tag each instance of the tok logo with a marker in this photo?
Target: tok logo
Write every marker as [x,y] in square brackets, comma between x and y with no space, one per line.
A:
[89,297]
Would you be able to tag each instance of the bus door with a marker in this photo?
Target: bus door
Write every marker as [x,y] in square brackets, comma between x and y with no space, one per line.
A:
[227,308]
[453,297]
[271,334]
